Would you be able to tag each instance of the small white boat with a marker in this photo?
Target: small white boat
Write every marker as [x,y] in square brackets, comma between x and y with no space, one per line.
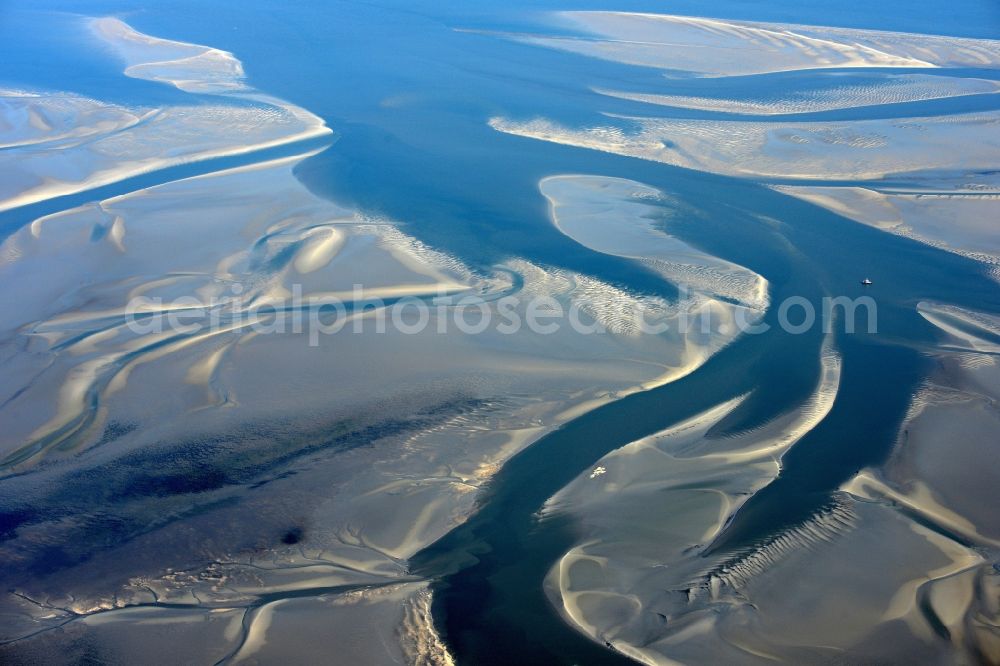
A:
[866,282]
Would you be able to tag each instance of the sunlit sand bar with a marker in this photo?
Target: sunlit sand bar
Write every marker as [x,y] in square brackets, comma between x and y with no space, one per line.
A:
[828,92]
[705,46]
[61,144]
[619,217]
[190,67]
[863,149]
[958,221]
[437,413]
[642,581]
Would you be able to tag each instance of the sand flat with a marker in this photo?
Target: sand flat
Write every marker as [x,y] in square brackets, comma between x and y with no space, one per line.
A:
[99,393]
[861,150]
[90,143]
[832,91]
[190,67]
[640,579]
[705,46]
[960,222]
[618,216]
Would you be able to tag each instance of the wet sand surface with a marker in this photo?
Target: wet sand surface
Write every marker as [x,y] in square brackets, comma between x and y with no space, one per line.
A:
[242,494]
